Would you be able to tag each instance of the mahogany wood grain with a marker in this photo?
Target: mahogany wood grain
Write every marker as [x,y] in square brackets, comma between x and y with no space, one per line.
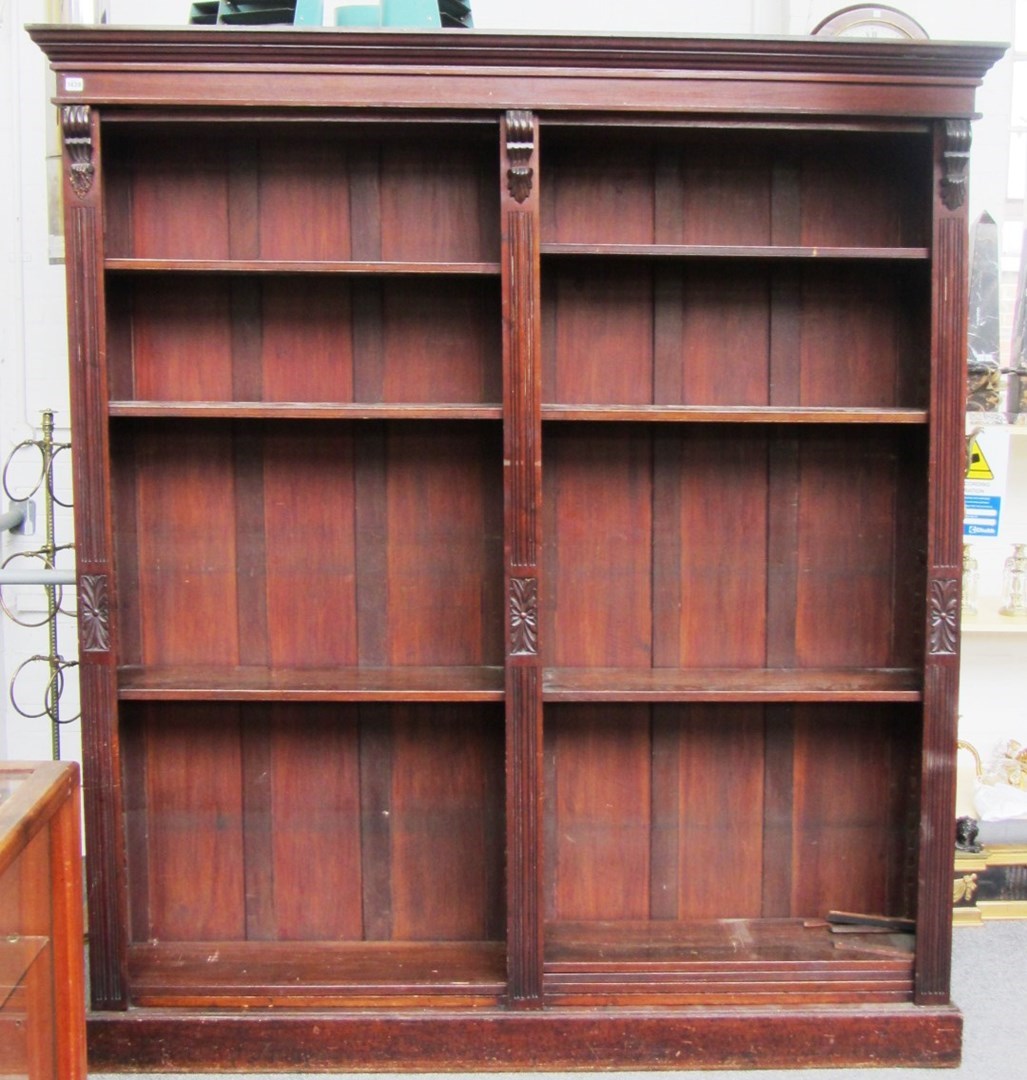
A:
[259,868]
[256,570]
[306,267]
[779,834]
[225,683]
[662,812]
[707,836]
[601,802]
[193,818]
[314,813]
[704,554]
[950,311]
[438,339]
[714,591]
[307,544]
[673,1038]
[693,414]
[747,252]
[41,917]
[598,553]
[850,812]
[185,596]
[446,847]
[713,193]
[715,684]
[189,182]
[694,946]
[313,824]
[520,153]
[436,507]
[291,973]
[847,534]
[713,338]
[311,410]
[719,325]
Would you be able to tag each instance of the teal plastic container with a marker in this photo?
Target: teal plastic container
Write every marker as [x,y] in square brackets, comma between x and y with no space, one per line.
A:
[418,14]
[309,13]
[358,15]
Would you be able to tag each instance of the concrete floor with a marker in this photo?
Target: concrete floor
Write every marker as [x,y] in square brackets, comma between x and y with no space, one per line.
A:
[989,983]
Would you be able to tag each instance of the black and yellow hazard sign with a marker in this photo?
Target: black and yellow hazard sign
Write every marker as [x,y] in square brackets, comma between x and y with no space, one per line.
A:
[977,467]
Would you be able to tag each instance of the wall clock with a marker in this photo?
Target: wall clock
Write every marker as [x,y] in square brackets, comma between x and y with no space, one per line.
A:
[871,21]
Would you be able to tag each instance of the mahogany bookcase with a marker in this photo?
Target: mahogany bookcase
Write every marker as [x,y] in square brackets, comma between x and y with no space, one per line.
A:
[518,523]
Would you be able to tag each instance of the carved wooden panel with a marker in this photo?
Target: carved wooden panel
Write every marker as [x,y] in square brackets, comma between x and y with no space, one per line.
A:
[520,147]
[523,616]
[943,613]
[94,613]
[956,159]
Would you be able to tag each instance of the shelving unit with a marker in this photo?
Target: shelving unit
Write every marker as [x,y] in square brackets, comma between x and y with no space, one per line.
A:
[525,506]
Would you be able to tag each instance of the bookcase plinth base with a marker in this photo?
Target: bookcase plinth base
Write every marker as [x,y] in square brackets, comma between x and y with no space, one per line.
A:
[507,1040]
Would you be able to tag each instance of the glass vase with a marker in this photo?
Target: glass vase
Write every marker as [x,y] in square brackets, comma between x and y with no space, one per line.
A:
[1014,583]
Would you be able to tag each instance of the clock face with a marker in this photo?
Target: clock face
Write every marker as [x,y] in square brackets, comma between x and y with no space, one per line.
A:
[871,21]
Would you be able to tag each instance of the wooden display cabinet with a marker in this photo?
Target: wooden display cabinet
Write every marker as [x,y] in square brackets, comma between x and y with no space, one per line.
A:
[518,491]
[42,952]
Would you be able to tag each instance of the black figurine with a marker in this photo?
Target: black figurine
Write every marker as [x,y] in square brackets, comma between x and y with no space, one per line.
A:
[966,835]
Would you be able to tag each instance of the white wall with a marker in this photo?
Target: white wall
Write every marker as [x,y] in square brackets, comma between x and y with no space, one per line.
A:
[33,364]
[32,350]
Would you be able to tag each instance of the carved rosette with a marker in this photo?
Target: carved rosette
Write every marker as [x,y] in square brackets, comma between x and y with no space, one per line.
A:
[520,146]
[94,613]
[78,141]
[955,160]
[523,616]
[943,614]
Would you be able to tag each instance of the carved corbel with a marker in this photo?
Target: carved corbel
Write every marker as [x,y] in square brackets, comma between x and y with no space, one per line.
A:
[955,160]
[520,146]
[78,141]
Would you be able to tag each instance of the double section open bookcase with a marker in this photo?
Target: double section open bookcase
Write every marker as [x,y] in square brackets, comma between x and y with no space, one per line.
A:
[518,523]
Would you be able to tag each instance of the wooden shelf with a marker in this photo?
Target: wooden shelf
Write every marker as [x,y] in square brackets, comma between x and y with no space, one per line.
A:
[315,684]
[303,410]
[299,266]
[732,414]
[326,973]
[739,251]
[486,684]
[676,945]
[727,961]
[730,685]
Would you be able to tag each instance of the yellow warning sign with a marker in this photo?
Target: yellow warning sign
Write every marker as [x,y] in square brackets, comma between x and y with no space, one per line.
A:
[977,467]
